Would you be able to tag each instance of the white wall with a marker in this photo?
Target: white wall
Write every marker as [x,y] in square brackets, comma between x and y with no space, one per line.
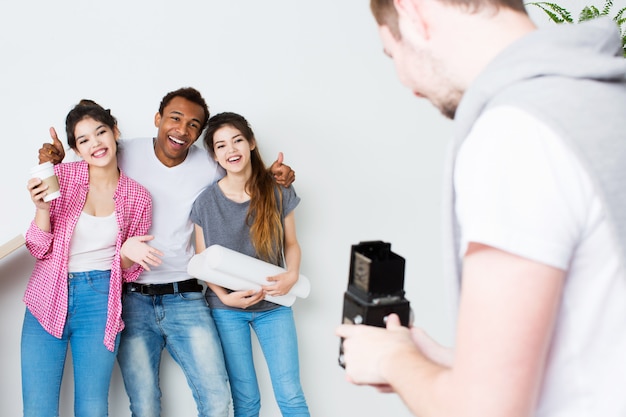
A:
[312,80]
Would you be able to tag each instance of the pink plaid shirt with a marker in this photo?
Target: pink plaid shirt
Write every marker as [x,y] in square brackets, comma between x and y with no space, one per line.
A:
[47,292]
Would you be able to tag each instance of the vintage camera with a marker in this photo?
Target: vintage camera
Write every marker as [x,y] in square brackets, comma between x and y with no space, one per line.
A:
[375,287]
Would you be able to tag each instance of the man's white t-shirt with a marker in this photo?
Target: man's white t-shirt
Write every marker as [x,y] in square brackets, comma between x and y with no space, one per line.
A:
[518,188]
[173,191]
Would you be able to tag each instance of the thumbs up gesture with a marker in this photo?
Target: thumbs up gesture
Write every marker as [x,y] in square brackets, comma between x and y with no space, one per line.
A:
[52,152]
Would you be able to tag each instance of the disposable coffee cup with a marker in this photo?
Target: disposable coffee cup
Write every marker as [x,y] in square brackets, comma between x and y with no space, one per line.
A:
[45,171]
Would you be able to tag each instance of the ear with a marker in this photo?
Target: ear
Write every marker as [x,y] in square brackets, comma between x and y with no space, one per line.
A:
[116,132]
[157,119]
[252,144]
[414,13]
[388,39]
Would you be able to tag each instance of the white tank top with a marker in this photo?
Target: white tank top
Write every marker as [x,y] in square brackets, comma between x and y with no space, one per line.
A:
[93,243]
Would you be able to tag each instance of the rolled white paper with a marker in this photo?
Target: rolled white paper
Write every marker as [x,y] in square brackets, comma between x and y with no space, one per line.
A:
[199,268]
[251,269]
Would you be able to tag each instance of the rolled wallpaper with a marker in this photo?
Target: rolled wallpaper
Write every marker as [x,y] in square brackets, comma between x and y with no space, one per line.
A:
[236,271]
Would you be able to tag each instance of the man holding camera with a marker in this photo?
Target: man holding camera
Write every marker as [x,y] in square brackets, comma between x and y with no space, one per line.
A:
[536,215]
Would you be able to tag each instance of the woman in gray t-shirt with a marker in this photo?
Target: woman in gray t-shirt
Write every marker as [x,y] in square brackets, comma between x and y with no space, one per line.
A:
[247,212]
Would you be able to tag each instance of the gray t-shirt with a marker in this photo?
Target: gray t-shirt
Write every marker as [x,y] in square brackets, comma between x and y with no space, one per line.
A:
[223,222]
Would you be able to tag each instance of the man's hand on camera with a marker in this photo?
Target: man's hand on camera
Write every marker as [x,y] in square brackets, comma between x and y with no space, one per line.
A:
[52,152]
[368,351]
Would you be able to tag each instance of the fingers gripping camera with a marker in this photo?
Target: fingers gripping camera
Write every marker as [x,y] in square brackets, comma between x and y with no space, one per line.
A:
[375,287]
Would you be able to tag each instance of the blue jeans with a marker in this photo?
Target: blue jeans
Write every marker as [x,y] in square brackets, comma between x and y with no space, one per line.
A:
[182,324]
[276,332]
[43,355]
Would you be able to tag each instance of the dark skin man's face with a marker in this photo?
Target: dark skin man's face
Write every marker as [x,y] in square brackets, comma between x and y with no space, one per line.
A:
[179,127]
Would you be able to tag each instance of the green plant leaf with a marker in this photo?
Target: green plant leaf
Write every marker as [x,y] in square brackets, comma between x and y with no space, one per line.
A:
[588,13]
[555,12]
[559,14]
[607,7]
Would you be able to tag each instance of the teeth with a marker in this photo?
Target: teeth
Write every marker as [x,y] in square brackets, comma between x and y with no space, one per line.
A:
[100,152]
[233,159]
[178,141]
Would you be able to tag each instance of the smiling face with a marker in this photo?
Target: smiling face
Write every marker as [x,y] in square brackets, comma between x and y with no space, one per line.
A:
[96,142]
[179,126]
[232,150]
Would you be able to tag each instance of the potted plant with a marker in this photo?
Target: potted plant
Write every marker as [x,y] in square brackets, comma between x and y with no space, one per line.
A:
[559,14]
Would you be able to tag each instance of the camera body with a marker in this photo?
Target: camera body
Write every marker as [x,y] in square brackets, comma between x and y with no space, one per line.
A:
[375,287]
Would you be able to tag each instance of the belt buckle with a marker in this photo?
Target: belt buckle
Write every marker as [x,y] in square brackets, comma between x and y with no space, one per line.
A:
[144,289]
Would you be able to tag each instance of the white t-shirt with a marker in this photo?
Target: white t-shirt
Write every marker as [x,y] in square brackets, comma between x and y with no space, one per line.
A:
[173,192]
[520,189]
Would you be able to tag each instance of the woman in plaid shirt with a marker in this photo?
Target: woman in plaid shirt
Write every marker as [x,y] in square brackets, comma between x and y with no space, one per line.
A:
[84,249]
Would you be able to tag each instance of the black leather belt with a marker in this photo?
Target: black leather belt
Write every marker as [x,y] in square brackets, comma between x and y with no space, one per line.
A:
[191,285]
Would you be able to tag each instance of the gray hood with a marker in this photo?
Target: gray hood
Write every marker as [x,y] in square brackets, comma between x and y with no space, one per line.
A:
[573,78]
[590,51]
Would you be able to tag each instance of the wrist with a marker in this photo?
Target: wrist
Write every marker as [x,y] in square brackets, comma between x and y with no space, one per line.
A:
[394,364]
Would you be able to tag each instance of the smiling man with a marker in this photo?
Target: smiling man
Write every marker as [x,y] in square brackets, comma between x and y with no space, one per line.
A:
[165,307]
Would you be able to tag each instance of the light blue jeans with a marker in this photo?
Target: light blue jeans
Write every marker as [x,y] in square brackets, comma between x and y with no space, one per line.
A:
[276,332]
[43,355]
[182,324]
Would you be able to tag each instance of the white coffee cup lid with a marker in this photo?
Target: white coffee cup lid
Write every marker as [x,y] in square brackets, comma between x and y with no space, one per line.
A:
[42,167]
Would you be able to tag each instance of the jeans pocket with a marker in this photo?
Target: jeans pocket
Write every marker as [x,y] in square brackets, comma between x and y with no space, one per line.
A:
[100,284]
[191,296]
